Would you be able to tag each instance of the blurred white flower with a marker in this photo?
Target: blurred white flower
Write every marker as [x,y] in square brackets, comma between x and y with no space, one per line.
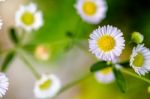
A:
[107,43]
[105,75]
[3,84]
[1,24]
[42,53]
[28,18]
[92,11]
[47,87]
[140,59]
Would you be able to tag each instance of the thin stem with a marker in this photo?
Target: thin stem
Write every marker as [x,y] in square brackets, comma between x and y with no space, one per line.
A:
[22,37]
[36,74]
[72,84]
[135,75]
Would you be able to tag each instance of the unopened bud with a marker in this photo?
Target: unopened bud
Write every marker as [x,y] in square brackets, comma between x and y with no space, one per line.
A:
[137,37]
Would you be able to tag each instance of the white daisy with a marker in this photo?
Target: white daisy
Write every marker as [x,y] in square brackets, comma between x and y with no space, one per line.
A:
[105,75]
[92,11]
[28,18]
[42,53]
[106,43]
[140,59]
[47,87]
[1,24]
[3,84]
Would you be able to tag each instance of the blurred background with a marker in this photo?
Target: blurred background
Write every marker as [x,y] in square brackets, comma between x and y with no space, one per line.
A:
[70,61]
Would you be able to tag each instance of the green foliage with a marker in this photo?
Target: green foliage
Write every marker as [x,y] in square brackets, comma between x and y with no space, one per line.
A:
[120,80]
[98,66]
[10,56]
[13,36]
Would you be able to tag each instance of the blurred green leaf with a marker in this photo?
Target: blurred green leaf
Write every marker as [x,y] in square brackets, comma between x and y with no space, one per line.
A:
[120,80]
[98,66]
[13,36]
[7,60]
[29,47]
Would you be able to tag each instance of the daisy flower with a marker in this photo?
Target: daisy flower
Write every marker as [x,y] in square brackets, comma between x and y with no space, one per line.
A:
[91,11]
[42,52]
[28,18]
[47,87]
[105,75]
[140,59]
[1,24]
[106,43]
[3,84]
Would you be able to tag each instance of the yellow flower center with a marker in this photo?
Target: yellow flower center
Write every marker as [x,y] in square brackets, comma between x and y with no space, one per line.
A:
[138,60]
[45,85]
[28,18]
[106,71]
[89,8]
[106,43]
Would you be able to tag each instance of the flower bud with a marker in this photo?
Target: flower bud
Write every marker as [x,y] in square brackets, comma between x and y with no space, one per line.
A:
[42,53]
[137,37]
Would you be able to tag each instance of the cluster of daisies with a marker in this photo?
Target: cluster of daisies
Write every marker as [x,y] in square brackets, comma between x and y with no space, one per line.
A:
[106,43]
[29,18]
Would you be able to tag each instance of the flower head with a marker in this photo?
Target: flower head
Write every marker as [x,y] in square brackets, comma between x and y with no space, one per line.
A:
[42,53]
[92,11]
[105,75]
[47,87]
[106,43]
[28,18]
[3,84]
[140,59]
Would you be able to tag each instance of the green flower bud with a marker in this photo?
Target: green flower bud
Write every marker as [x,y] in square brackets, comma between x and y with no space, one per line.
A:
[137,37]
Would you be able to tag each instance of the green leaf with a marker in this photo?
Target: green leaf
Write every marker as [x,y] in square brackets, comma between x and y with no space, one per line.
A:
[120,80]
[29,47]
[98,66]
[13,36]
[7,60]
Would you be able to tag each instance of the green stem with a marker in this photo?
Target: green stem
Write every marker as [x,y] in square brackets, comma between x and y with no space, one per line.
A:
[135,75]
[72,84]
[36,74]
[22,37]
